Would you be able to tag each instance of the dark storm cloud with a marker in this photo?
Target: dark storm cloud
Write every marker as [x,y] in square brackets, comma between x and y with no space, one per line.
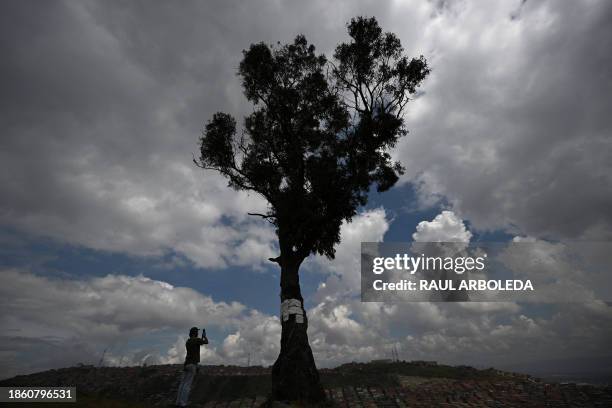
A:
[102,105]
[101,109]
[514,129]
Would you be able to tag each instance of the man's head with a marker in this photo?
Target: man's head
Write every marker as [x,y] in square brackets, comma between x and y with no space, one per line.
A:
[193,332]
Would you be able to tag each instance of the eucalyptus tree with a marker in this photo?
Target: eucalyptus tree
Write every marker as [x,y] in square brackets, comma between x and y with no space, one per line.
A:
[318,139]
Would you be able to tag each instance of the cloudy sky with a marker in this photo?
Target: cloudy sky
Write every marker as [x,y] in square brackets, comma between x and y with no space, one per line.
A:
[111,239]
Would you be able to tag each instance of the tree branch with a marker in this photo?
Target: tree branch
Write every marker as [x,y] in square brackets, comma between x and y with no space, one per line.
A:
[261,215]
[277,259]
[269,218]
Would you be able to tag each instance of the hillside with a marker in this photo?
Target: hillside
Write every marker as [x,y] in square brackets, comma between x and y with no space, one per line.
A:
[376,384]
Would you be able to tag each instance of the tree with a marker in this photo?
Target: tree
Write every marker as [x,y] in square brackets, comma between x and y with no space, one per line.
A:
[319,137]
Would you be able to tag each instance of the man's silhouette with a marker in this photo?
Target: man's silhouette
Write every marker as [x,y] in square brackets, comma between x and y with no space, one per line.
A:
[190,367]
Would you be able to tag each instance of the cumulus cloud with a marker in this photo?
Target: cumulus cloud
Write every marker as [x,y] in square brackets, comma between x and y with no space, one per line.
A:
[445,227]
[257,340]
[100,313]
[105,308]
[344,270]
[70,322]
[501,334]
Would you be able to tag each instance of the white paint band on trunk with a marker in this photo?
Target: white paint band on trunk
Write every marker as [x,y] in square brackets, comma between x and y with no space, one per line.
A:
[292,307]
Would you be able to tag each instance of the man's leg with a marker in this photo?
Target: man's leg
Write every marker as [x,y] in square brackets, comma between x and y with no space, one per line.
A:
[180,388]
[185,387]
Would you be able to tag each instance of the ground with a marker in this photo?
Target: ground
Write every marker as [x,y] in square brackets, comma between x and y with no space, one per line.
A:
[383,384]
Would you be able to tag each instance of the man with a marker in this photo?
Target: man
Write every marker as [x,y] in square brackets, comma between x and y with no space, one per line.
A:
[190,367]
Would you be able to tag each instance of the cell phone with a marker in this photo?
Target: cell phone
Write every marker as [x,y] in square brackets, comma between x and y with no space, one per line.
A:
[203,333]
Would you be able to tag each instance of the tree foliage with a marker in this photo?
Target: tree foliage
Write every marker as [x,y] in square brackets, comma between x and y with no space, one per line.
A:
[320,133]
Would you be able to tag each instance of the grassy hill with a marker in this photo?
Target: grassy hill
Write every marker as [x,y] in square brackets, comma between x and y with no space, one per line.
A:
[388,384]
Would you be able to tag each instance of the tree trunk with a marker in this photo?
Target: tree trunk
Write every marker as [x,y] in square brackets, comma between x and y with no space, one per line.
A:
[294,374]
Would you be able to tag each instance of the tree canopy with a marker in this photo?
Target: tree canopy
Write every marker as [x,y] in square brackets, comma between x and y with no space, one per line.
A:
[320,133]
